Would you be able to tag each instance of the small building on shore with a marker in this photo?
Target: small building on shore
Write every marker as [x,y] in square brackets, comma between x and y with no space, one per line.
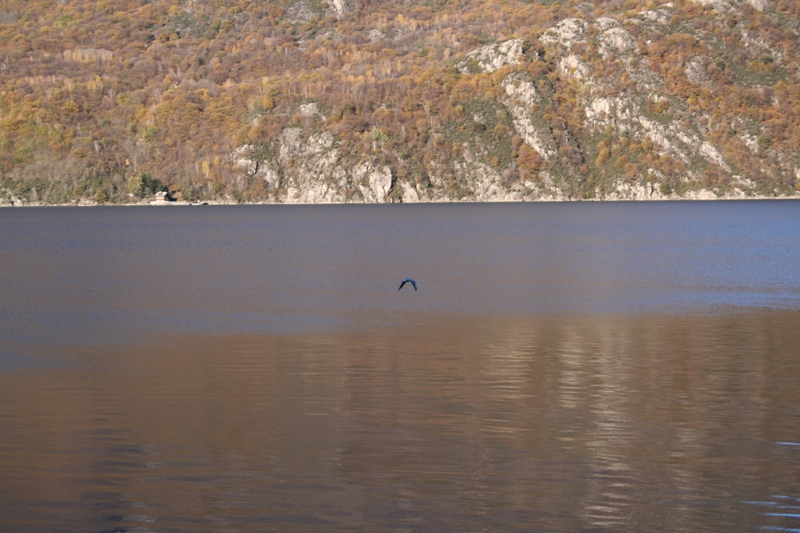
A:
[161,197]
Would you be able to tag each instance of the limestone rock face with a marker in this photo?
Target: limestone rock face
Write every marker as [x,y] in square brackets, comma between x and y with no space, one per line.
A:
[566,33]
[616,41]
[522,97]
[492,57]
[374,182]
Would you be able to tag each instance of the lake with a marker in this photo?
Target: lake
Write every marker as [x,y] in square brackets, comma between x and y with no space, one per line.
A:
[565,367]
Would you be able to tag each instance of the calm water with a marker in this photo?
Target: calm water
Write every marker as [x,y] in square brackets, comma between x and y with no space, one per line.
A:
[563,367]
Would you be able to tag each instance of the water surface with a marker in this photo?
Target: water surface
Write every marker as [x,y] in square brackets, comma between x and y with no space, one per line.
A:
[564,367]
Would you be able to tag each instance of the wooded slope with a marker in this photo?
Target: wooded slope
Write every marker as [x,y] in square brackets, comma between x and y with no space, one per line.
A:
[377,100]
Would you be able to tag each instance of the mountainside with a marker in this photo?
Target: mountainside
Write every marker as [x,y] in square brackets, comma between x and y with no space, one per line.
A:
[381,101]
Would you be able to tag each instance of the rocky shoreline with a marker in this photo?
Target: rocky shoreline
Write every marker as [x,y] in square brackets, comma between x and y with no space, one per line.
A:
[699,196]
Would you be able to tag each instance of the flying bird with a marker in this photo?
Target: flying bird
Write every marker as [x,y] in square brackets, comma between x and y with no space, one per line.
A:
[408,280]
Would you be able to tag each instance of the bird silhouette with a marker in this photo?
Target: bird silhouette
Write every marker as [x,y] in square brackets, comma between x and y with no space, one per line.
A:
[408,280]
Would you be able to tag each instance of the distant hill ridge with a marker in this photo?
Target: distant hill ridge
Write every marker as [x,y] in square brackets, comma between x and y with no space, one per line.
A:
[316,101]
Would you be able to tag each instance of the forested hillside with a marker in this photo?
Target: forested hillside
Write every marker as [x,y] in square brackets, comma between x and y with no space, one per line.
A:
[392,100]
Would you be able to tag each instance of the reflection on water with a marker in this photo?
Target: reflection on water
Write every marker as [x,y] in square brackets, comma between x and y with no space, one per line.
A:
[602,423]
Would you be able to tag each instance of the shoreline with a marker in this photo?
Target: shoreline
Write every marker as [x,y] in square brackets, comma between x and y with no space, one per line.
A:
[542,201]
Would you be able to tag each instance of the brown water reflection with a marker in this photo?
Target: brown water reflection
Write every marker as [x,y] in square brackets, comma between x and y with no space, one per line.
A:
[652,423]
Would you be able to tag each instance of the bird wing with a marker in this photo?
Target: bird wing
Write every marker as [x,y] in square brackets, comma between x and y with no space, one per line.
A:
[401,285]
